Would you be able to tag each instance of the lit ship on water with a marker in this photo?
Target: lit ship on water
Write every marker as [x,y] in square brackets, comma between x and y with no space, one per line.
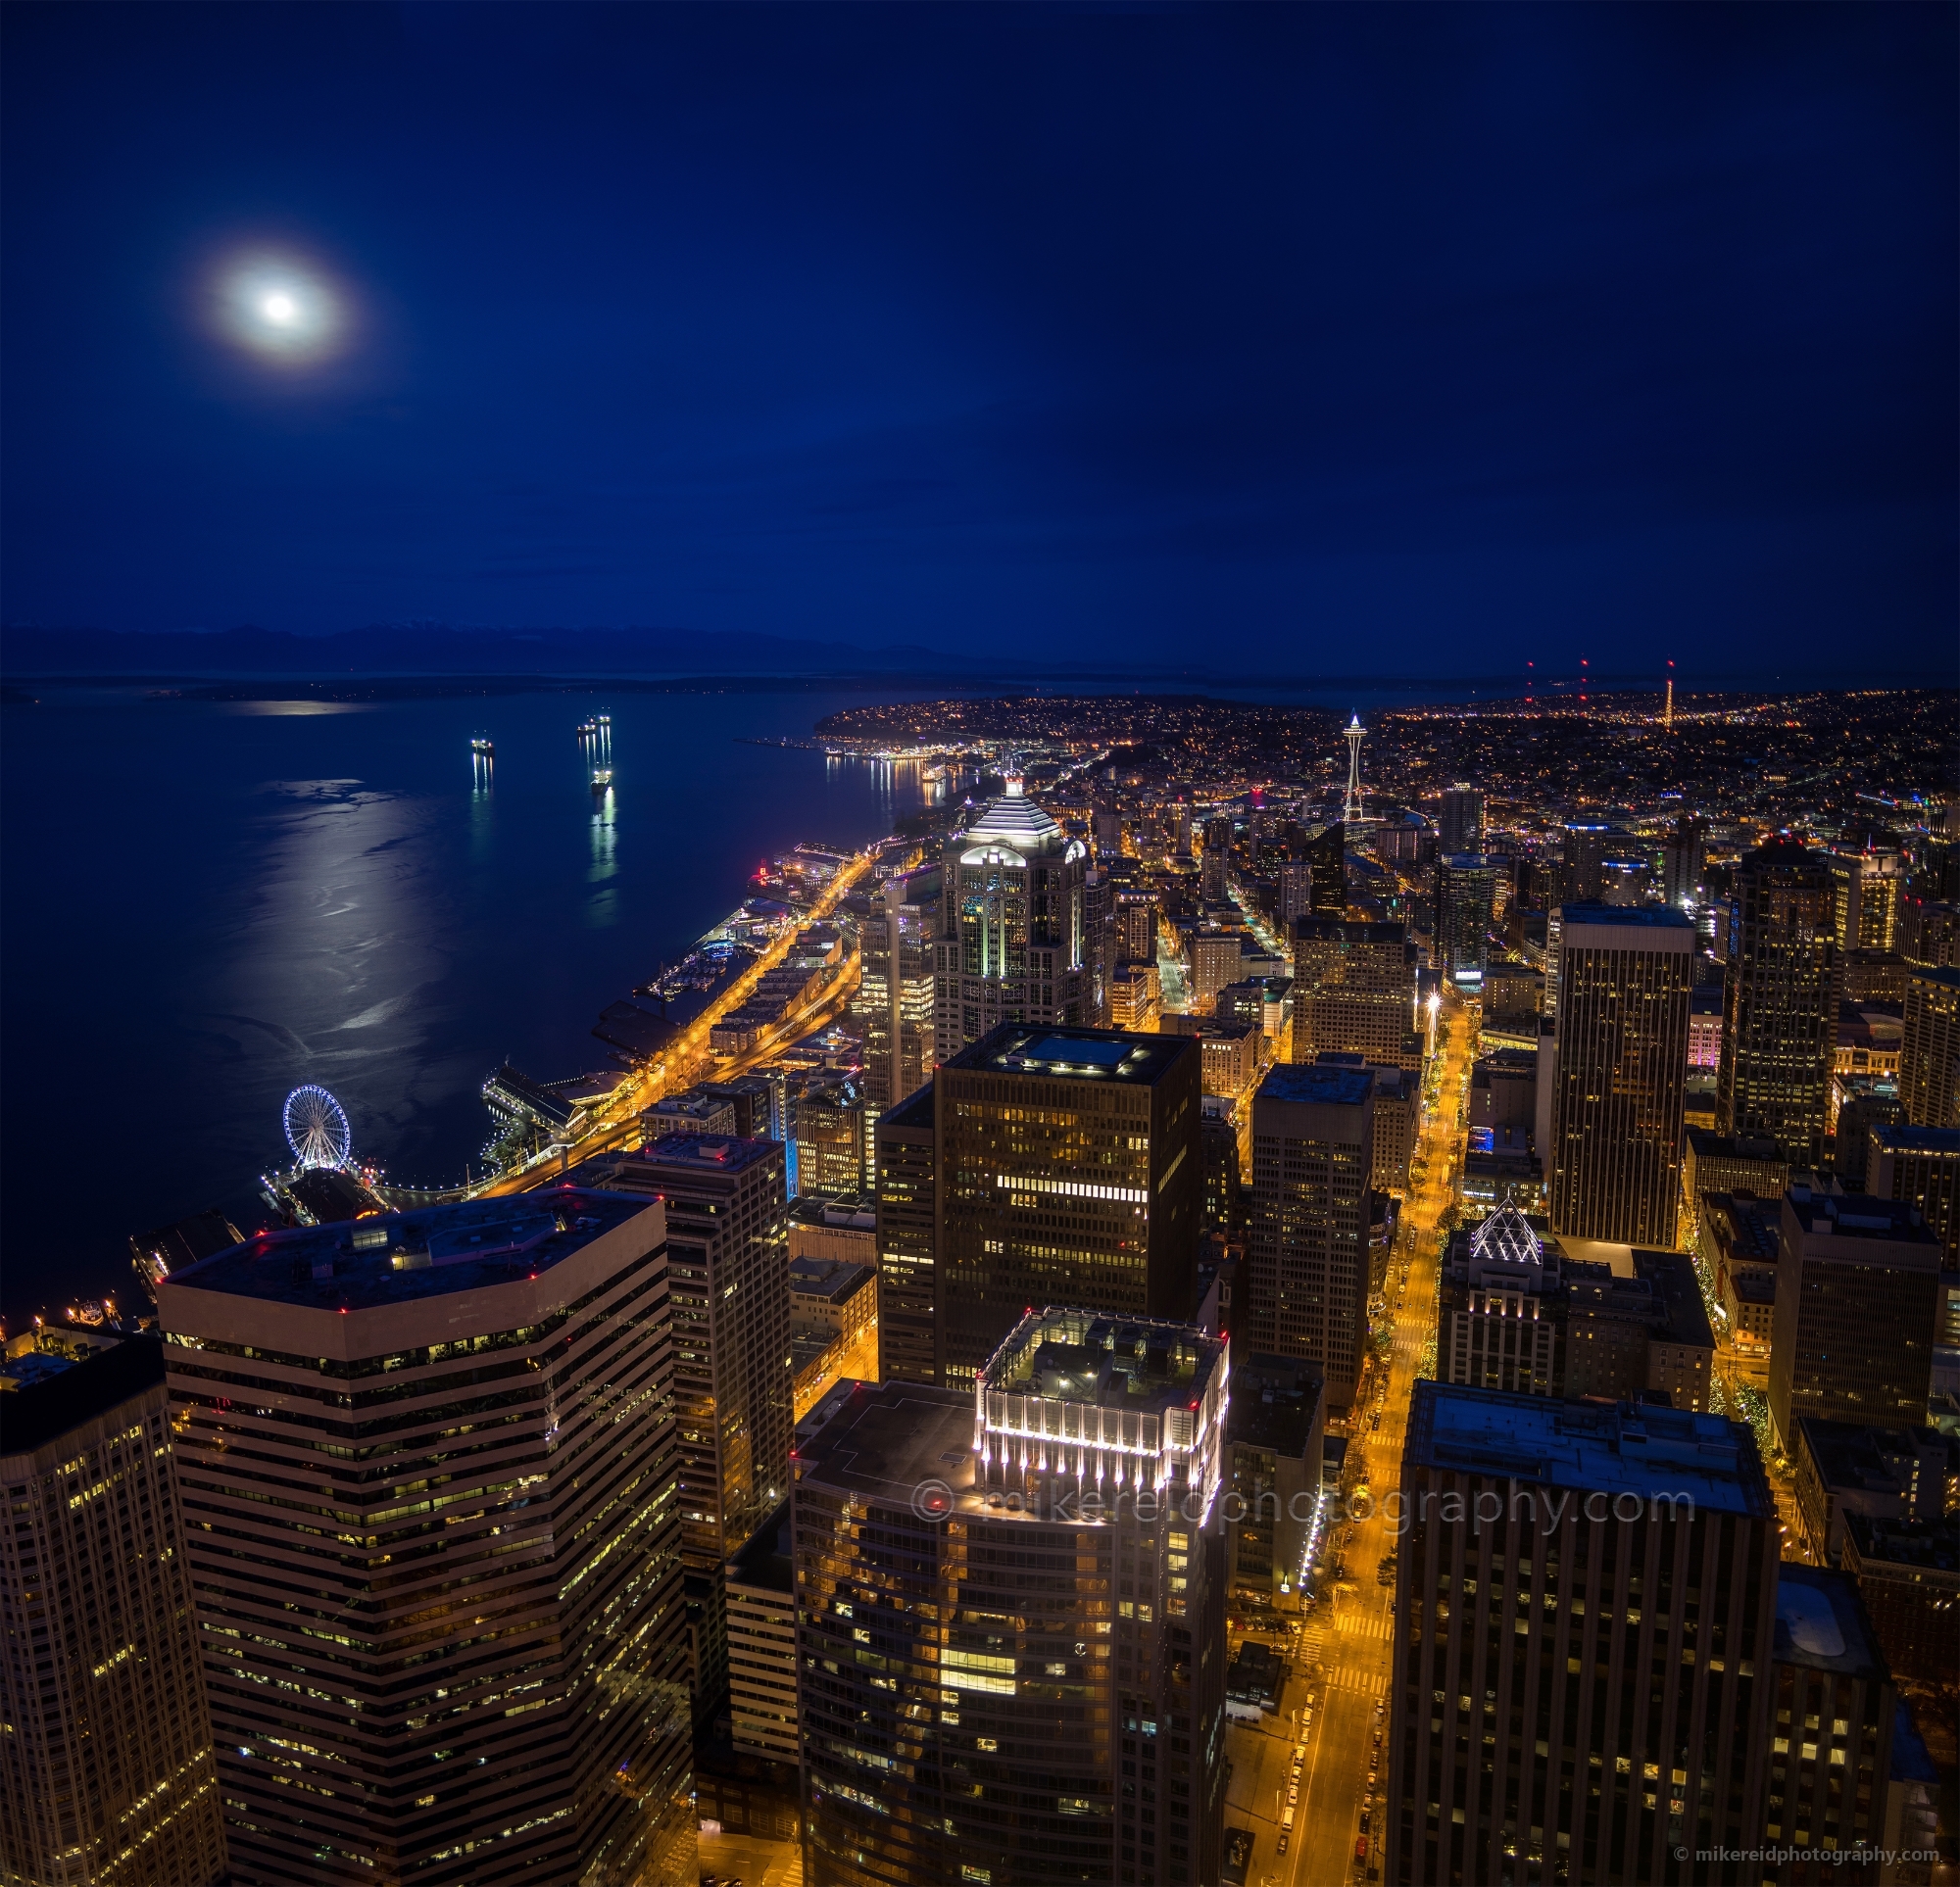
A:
[484,744]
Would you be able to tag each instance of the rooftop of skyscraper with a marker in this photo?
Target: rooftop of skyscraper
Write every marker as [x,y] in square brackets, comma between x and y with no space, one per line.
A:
[1820,1623]
[32,1417]
[360,1264]
[1649,917]
[710,1152]
[1114,1363]
[888,1440]
[1638,1448]
[1859,1215]
[1015,821]
[1097,1054]
[1896,1136]
[1317,1082]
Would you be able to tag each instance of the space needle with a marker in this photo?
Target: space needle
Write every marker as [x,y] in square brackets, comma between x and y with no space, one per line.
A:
[1351,807]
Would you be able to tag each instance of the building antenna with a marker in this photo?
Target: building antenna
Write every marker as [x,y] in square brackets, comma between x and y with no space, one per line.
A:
[1667,713]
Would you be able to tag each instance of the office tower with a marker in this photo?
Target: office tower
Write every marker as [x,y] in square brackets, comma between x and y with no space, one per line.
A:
[728,1277]
[1099,944]
[1857,1300]
[830,1126]
[1213,883]
[1354,992]
[1136,997]
[1275,1429]
[106,1757]
[906,1213]
[1136,926]
[1585,1613]
[1218,1144]
[759,1591]
[1929,1049]
[1466,889]
[1305,1275]
[1070,1732]
[1108,825]
[441,1609]
[1720,1163]
[1326,862]
[1583,879]
[1068,1172]
[1683,855]
[1907,1572]
[895,993]
[1218,835]
[1620,1064]
[1832,1706]
[1515,1313]
[1843,1468]
[1217,960]
[1459,825]
[1011,945]
[1779,1002]
[1920,1167]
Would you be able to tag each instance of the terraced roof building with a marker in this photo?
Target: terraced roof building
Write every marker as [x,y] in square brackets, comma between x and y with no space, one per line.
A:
[1068,1172]
[1012,1629]
[427,1463]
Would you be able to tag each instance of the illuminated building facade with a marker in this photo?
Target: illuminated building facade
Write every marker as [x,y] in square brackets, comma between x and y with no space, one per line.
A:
[1466,893]
[907,1163]
[1619,1071]
[1354,992]
[1779,1002]
[1012,942]
[894,995]
[1930,1050]
[106,1764]
[729,1283]
[1459,822]
[1065,1727]
[1306,1277]
[1068,1170]
[428,1471]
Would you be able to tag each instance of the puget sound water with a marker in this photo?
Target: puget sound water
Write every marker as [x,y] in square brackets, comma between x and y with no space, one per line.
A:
[207,903]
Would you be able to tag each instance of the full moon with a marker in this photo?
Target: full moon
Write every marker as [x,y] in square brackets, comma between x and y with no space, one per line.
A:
[284,311]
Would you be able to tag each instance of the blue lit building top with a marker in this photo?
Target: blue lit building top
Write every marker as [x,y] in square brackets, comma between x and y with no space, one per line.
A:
[1588,1447]
[1317,1082]
[395,1257]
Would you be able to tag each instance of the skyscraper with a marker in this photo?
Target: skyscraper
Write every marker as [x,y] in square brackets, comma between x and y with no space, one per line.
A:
[429,1464]
[1012,935]
[1306,1277]
[1858,1299]
[1065,1731]
[1779,1002]
[1459,825]
[1930,1053]
[1466,891]
[1583,876]
[728,1279]
[1354,992]
[106,1764]
[1068,1171]
[1683,857]
[1326,862]
[895,993]
[907,1163]
[1620,1067]
[1920,1165]
[1584,1614]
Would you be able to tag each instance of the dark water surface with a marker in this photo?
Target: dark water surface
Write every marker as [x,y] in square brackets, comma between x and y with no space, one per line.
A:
[207,903]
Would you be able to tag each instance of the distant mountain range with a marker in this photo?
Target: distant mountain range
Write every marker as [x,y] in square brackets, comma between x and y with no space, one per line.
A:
[422,648]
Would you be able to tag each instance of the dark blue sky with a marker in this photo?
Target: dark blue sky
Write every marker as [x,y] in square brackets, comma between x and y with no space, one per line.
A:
[1305,339]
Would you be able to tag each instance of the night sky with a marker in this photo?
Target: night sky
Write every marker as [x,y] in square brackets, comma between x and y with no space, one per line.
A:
[1301,339]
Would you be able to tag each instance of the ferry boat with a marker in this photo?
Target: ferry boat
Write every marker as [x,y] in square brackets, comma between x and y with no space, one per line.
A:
[602,779]
[605,720]
[482,744]
[586,729]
